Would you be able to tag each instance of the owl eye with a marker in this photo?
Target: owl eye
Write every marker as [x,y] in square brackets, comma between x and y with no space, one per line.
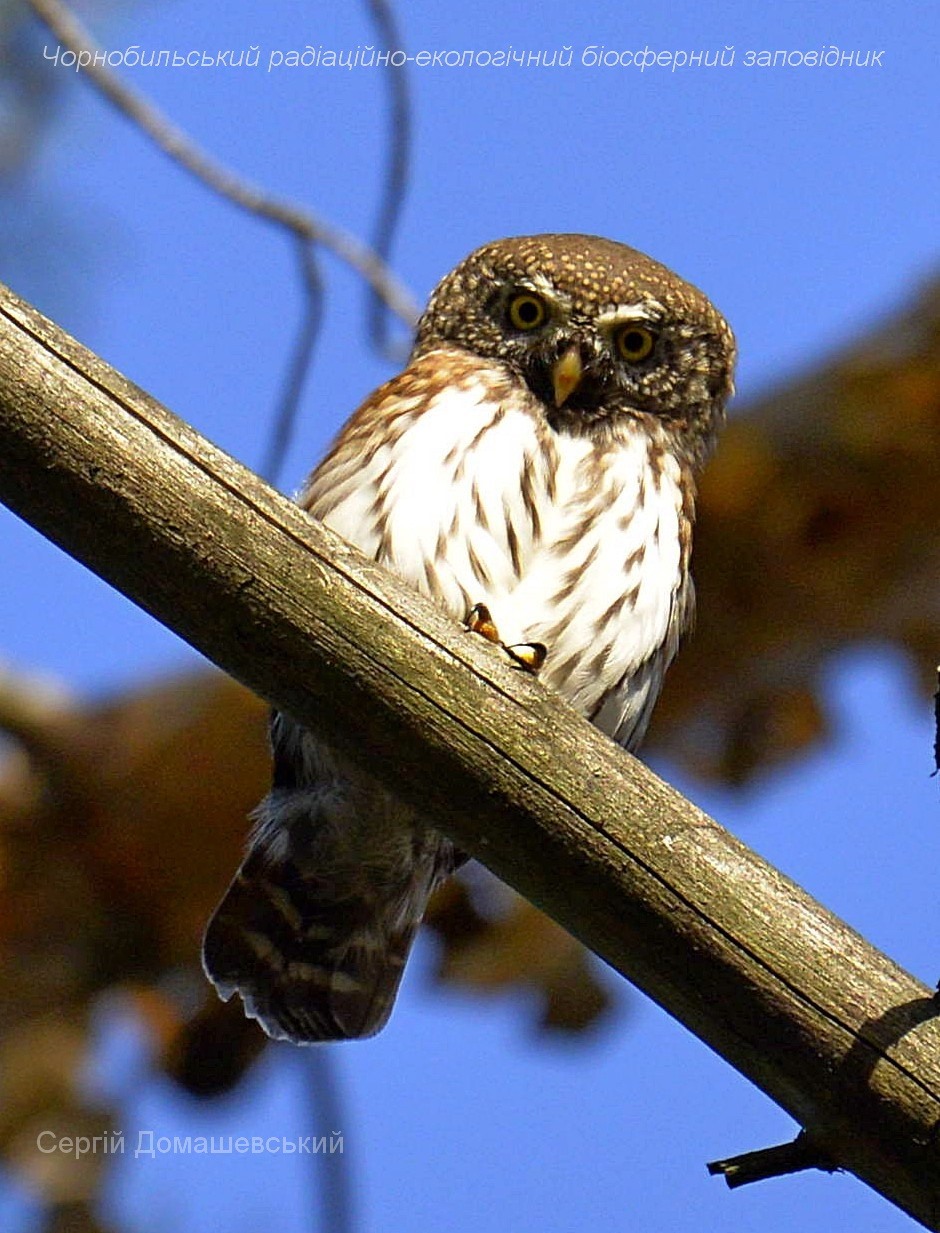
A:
[527,312]
[634,343]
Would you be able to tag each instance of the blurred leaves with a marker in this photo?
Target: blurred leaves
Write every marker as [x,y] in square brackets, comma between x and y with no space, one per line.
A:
[40,1094]
[120,822]
[517,948]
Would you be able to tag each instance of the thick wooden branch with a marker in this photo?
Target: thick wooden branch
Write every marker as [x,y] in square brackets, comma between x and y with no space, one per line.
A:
[830,1028]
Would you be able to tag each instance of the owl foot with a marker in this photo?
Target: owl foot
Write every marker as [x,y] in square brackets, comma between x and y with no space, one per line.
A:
[479,621]
[528,655]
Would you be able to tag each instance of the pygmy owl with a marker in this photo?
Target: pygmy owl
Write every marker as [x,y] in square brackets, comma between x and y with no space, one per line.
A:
[533,468]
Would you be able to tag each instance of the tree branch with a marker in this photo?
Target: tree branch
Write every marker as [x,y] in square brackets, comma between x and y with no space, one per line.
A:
[830,1028]
[793,1157]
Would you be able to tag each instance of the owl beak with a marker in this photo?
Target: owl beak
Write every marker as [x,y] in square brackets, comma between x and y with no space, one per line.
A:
[567,372]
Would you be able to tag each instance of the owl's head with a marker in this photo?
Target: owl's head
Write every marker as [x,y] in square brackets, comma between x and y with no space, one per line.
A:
[596,330]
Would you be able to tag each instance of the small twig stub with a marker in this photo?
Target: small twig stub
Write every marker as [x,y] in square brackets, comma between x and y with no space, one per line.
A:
[801,1153]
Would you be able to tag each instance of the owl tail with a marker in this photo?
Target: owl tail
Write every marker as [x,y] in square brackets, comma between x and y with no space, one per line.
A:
[314,960]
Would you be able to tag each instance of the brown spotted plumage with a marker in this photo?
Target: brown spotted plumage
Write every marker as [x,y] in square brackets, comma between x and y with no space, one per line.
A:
[534,466]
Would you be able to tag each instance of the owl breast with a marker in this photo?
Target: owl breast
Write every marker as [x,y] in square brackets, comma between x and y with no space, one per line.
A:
[572,541]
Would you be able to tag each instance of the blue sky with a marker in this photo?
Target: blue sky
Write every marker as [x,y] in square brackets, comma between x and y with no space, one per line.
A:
[804,202]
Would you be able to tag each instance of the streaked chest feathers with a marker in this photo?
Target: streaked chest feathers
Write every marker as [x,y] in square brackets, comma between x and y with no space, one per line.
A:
[578,542]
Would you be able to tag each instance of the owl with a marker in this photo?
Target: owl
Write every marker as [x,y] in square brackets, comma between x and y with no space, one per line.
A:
[532,471]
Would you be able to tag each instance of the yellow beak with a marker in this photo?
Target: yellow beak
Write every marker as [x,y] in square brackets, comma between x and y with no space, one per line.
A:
[566,375]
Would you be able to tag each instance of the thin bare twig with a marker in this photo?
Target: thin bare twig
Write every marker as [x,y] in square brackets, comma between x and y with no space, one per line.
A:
[397,168]
[310,230]
[285,417]
[801,1153]
[184,151]
[336,1183]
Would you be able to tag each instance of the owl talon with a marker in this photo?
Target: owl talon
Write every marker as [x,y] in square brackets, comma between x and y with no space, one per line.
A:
[528,655]
[479,621]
